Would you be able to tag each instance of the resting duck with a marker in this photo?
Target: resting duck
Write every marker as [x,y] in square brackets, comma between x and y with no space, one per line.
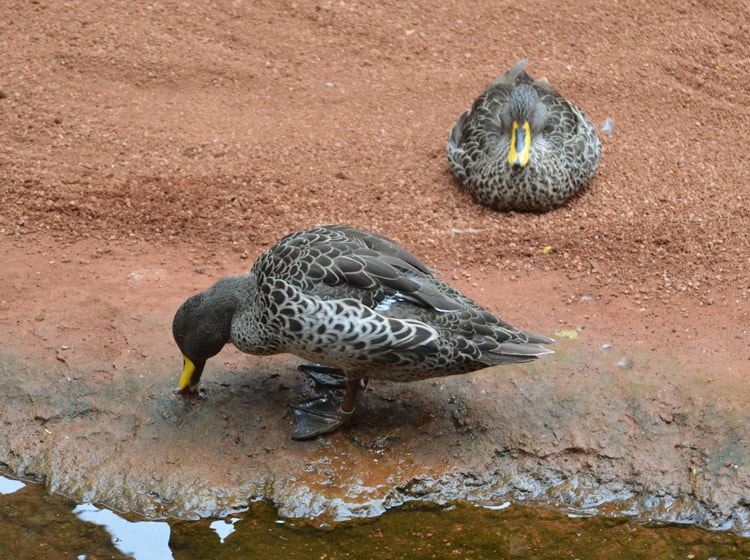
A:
[522,146]
[354,301]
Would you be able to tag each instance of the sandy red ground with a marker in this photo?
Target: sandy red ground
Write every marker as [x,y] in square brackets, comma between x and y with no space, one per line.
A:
[148,148]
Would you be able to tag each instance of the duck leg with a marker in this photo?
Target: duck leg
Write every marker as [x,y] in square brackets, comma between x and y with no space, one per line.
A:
[325,376]
[322,416]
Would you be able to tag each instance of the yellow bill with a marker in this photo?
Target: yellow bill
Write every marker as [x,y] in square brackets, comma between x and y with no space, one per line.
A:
[520,144]
[188,370]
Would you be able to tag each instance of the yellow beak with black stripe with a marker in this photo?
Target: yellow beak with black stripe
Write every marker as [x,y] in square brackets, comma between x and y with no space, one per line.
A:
[520,145]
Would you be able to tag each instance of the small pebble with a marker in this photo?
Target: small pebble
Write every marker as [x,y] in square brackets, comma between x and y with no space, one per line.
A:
[625,363]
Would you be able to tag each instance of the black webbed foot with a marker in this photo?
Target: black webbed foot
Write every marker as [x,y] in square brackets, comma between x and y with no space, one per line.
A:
[318,417]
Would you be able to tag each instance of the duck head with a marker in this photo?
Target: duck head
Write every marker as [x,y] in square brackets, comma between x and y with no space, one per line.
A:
[201,327]
[527,116]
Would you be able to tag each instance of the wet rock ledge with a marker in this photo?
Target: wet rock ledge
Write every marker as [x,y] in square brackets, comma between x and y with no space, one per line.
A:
[582,430]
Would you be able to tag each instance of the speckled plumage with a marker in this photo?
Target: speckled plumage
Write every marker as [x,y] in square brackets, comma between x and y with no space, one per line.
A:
[565,150]
[352,300]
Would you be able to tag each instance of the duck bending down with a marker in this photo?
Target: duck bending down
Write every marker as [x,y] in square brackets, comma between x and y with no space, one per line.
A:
[354,301]
[522,146]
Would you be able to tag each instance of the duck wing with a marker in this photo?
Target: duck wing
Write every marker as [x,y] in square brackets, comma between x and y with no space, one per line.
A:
[373,268]
[345,297]
[319,291]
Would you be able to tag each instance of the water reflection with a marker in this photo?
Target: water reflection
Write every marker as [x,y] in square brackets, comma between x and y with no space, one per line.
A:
[223,528]
[143,540]
[8,486]
[500,507]
[34,525]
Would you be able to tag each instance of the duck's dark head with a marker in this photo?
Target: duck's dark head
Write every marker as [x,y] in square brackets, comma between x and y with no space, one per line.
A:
[527,117]
[201,327]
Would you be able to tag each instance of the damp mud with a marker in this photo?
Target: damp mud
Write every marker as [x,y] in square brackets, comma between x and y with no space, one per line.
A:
[612,423]
[148,149]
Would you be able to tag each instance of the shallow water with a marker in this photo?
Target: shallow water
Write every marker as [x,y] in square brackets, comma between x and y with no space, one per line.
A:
[34,523]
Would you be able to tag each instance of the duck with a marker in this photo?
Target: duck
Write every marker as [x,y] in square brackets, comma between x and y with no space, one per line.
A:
[522,146]
[356,305]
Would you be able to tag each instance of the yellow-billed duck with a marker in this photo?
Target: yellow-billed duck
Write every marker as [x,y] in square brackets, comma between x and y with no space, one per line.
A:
[354,301]
[522,146]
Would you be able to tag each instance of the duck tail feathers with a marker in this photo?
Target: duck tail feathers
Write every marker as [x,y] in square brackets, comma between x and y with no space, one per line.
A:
[516,75]
[514,353]
[538,338]
[527,350]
